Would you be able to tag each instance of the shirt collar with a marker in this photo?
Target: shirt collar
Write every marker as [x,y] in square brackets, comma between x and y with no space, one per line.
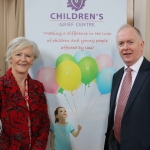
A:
[135,67]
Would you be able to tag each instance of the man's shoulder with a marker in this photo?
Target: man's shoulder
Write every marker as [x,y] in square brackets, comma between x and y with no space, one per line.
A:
[146,61]
[120,70]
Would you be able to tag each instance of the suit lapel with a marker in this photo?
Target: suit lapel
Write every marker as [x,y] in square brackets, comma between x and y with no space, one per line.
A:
[115,87]
[139,81]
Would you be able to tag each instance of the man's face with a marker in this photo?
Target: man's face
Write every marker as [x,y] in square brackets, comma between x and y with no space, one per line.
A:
[129,45]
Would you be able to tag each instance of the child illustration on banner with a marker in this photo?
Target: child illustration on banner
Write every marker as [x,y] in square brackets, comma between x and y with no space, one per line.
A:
[60,131]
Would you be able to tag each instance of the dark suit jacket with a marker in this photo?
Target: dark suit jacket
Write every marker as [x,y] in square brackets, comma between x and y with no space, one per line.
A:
[135,127]
[14,115]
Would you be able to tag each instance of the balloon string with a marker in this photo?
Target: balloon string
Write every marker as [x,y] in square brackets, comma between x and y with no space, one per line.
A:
[90,101]
[93,106]
[85,90]
[55,96]
[70,107]
[80,103]
[75,109]
[82,98]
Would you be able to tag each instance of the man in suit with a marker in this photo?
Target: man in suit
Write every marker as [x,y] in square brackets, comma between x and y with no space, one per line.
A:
[134,130]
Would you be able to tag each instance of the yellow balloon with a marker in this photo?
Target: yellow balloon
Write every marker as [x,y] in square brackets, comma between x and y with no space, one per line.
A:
[68,75]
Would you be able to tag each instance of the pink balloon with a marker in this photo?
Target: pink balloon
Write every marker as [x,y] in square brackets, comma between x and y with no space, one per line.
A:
[46,75]
[104,61]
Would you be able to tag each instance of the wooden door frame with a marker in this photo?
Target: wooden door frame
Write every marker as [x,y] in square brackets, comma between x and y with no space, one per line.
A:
[130,12]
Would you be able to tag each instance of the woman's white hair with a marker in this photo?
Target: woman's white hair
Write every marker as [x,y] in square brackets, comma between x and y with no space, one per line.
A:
[18,44]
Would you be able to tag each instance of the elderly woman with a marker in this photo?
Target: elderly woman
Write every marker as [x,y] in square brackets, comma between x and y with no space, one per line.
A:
[23,108]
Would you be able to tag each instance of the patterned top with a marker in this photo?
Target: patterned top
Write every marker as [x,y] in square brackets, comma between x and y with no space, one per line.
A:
[15,115]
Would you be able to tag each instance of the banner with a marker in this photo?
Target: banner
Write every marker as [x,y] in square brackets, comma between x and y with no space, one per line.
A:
[79,55]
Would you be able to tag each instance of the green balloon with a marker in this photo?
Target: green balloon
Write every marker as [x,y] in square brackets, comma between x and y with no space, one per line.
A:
[89,69]
[60,90]
[64,57]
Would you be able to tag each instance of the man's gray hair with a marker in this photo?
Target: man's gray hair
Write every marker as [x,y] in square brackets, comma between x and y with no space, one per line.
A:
[129,26]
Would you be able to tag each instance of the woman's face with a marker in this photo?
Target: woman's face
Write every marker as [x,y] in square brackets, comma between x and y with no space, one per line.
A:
[22,60]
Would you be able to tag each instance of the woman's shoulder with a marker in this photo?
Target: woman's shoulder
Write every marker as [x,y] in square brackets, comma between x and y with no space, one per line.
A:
[36,85]
[1,78]
[35,82]
[2,81]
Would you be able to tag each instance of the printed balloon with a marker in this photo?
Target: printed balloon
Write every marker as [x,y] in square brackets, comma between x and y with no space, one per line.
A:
[104,61]
[46,75]
[104,80]
[68,75]
[64,57]
[81,54]
[89,69]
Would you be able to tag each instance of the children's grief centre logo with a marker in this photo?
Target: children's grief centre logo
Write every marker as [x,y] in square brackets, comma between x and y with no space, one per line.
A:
[77,18]
[76,4]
